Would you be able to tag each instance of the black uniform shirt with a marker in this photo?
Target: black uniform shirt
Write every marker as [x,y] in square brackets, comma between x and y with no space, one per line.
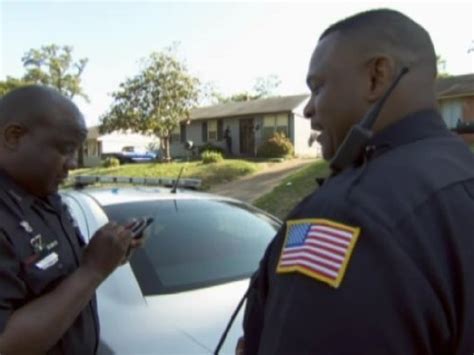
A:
[388,264]
[39,247]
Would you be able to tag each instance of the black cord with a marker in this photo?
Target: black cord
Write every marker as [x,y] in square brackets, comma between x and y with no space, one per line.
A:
[232,318]
[369,120]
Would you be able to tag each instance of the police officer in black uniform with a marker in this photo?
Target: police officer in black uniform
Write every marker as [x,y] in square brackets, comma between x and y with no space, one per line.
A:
[380,259]
[47,275]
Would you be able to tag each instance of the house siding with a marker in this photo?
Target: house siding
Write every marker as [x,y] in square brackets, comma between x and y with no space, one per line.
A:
[298,129]
[301,128]
[194,134]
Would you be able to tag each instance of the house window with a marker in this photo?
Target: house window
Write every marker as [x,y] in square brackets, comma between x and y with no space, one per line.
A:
[212,130]
[451,110]
[282,124]
[175,135]
[274,123]
[268,127]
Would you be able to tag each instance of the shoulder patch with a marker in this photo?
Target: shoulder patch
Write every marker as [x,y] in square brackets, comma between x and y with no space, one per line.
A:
[318,248]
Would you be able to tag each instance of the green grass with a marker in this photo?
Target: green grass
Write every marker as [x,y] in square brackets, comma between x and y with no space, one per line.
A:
[211,174]
[292,190]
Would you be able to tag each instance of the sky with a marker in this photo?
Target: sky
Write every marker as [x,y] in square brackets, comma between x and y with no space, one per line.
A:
[228,44]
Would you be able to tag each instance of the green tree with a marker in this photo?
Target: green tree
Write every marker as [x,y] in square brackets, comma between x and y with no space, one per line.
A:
[54,66]
[155,100]
[263,87]
[441,64]
[9,84]
[266,86]
[209,94]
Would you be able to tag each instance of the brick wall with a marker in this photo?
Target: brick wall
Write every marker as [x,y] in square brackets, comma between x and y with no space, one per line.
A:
[468,138]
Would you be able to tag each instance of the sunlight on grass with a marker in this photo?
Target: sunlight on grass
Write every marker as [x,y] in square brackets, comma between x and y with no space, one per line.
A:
[292,190]
[211,174]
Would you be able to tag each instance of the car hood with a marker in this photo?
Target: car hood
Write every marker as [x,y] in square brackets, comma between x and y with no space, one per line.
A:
[203,314]
[189,322]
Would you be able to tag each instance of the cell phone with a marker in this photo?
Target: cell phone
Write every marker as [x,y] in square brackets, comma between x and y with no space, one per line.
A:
[139,226]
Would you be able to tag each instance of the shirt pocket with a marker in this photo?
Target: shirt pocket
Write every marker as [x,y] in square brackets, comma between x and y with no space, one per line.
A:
[40,277]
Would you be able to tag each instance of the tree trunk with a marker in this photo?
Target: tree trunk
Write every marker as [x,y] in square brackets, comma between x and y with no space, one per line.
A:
[165,148]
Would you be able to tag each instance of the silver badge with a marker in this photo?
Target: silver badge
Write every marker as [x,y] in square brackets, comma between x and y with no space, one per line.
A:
[26,226]
[37,243]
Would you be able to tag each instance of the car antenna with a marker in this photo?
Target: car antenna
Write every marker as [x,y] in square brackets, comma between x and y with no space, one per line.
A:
[175,187]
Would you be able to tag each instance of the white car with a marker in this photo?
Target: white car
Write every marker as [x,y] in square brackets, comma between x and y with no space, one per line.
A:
[177,293]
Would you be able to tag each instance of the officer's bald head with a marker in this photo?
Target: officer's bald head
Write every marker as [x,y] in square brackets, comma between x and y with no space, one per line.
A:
[40,132]
[355,62]
[36,105]
[390,32]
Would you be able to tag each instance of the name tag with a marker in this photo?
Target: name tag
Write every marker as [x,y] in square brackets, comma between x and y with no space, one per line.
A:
[47,261]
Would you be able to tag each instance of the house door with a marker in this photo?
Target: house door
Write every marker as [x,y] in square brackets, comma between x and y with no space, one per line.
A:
[247,137]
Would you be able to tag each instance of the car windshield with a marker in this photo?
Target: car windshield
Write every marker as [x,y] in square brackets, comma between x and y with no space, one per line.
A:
[196,243]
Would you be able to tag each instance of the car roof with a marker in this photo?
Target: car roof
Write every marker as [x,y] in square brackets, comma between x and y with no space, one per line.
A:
[117,194]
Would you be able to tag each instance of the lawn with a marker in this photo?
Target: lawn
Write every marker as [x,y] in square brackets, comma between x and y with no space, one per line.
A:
[292,190]
[211,174]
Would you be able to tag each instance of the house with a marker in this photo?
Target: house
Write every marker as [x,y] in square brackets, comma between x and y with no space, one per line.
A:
[97,144]
[250,123]
[456,101]
[92,147]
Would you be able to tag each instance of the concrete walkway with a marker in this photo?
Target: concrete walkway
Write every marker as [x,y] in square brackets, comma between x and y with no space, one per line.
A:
[250,188]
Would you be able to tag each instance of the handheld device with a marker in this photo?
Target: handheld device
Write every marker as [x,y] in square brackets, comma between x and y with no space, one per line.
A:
[139,226]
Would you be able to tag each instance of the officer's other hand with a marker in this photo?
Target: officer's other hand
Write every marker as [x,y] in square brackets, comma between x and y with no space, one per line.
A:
[107,249]
[240,348]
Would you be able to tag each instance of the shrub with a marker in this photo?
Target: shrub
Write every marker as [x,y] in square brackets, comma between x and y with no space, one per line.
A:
[209,147]
[211,157]
[111,162]
[276,147]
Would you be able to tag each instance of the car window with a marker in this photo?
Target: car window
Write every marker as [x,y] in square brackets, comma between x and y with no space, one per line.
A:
[195,243]
[77,214]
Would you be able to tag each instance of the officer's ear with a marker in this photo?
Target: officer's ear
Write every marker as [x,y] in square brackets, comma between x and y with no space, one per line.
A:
[12,134]
[381,71]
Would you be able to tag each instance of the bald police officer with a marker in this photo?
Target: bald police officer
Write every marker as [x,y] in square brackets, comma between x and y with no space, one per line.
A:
[380,259]
[47,276]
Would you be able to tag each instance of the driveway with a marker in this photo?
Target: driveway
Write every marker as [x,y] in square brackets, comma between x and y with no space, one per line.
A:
[250,188]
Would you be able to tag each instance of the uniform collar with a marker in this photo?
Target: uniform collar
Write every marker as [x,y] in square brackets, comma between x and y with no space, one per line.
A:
[413,127]
[22,197]
[18,194]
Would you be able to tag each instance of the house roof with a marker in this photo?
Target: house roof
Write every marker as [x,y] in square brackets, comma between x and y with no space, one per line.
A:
[235,109]
[455,86]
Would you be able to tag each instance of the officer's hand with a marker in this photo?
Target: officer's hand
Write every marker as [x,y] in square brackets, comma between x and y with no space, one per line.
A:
[107,249]
[240,348]
[134,244]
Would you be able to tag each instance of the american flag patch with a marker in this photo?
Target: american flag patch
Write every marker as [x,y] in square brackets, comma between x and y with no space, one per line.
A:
[318,248]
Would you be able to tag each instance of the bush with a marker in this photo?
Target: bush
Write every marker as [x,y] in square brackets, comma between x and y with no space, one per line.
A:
[111,162]
[278,146]
[211,157]
[209,147]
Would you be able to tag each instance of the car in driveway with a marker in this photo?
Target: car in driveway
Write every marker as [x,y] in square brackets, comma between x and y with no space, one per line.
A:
[131,154]
[177,293]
